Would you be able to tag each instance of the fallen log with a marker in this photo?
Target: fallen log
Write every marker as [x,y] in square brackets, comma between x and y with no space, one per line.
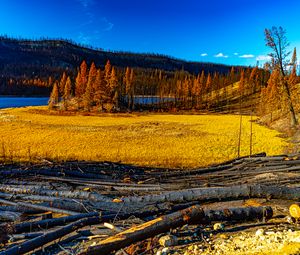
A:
[10,216]
[47,208]
[219,193]
[194,214]
[38,207]
[56,193]
[45,238]
[49,223]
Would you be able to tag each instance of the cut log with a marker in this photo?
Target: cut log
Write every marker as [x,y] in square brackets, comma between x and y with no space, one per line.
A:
[38,207]
[47,208]
[55,193]
[49,223]
[295,211]
[165,223]
[39,241]
[10,216]
[223,193]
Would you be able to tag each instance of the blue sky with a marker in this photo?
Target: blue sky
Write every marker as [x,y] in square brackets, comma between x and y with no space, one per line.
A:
[229,32]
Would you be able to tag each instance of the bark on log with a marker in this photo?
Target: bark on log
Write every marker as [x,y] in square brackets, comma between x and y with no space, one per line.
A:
[224,193]
[56,193]
[10,216]
[162,224]
[38,207]
[39,241]
[47,208]
[49,223]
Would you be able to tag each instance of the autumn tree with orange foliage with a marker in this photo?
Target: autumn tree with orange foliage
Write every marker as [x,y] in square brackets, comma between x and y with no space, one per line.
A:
[54,97]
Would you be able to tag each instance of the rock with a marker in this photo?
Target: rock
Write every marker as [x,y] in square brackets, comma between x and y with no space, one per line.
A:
[165,251]
[259,232]
[168,240]
[223,236]
[218,226]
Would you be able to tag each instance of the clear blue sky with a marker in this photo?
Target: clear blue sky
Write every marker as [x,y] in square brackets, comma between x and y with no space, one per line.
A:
[229,31]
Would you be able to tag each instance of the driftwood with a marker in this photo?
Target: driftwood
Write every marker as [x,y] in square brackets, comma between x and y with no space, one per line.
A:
[224,193]
[162,224]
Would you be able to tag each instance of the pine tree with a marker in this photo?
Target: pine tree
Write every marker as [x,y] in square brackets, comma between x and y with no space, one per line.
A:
[128,86]
[107,72]
[132,88]
[100,90]
[88,97]
[196,90]
[62,83]
[78,89]
[81,80]
[208,84]
[84,76]
[242,83]
[92,75]
[67,92]
[273,92]
[253,80]
[232,76]
[113,87]
[54,96]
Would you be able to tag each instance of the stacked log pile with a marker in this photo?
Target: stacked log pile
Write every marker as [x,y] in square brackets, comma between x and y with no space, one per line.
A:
[100,208]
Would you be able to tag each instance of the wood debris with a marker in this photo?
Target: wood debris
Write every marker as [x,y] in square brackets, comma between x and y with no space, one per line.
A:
[101,208]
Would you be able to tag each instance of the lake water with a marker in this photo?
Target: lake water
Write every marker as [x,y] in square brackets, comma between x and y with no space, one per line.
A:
[8,102]
[151,99]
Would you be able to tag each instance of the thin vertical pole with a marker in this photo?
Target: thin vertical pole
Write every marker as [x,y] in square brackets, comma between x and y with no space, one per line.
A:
[251,132]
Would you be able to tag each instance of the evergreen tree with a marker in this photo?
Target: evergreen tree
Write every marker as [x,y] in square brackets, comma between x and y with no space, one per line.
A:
[78,89]
[67,92]
[92,76]
[113,87]
[100,90]
[54,96]
[62,83]
[107,73]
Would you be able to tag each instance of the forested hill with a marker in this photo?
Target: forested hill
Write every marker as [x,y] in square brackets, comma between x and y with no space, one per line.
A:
[51,57]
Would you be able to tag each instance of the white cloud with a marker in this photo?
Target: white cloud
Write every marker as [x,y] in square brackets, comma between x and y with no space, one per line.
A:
[247,56]
[85,3]
[263,58]
[235,54]
[107,24]
[221,55]
[83,38]
[204,54]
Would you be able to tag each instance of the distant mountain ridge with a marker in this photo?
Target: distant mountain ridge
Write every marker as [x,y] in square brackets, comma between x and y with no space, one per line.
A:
[19,57]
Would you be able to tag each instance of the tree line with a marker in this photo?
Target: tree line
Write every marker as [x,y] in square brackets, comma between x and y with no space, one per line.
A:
[116,89]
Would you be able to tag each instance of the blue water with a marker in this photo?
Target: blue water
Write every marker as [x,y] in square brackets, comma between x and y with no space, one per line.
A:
[151,99]
[9,102]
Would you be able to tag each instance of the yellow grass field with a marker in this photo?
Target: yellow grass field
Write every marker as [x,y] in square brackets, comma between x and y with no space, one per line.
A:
[163,140]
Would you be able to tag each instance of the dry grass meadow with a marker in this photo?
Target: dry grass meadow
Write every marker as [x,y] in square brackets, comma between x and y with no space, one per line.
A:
[161,140]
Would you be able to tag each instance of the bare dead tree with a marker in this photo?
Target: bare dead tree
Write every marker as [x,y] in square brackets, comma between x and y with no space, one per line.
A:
[276,39]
